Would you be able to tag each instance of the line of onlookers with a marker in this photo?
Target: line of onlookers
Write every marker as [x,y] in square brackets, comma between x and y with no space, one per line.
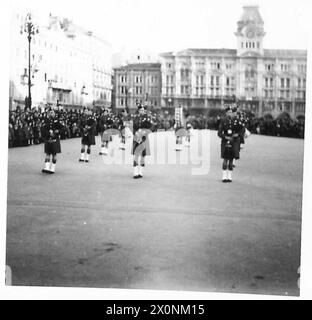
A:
[25,127]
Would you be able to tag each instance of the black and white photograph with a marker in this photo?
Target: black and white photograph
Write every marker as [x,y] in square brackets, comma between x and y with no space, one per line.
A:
[157,145]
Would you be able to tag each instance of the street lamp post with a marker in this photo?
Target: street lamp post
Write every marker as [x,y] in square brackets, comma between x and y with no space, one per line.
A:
[30,29]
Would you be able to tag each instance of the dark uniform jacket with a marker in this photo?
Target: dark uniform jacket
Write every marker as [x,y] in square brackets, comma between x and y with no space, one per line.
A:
[87,127]
[227,128]
[51,135]
[141,128]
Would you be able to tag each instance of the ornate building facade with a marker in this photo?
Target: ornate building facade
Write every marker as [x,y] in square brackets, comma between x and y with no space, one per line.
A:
[262,80]
[70,66]
[138,82]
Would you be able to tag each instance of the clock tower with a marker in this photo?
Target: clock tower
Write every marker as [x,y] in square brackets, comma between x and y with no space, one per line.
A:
[250,33]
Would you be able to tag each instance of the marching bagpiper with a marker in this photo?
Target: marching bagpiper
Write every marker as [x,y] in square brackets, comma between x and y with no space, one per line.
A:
[229,131]
[87,127]
[107,122]
[140,148]
[51,136]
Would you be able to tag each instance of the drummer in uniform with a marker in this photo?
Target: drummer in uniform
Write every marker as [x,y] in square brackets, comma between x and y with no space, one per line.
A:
[51,136]
[142,124]
[87,127]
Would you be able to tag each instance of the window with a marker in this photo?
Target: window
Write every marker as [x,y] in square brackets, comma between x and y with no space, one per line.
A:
[138,90]
[138,79]
[211,80]
[217,81]
[282,82]
[266,82]
[227,81]
[242,45]
[258,45]
[287,94]
[288,83]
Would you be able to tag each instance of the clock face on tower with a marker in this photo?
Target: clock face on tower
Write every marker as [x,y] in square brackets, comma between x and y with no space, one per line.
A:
[250,34]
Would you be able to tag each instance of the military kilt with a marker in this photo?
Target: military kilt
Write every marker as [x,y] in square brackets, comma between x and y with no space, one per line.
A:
[52,147]
[140,145]
[230,151]
[88,140]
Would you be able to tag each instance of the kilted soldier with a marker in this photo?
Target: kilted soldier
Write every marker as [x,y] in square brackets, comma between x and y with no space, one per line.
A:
[229,131]
[140,148]
[107,122]
[51,137]
[87,127]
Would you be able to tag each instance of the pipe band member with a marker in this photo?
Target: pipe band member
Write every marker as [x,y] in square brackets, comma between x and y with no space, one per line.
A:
[106,125]
[87,127]
[142,124]
[51,136]
[229,131]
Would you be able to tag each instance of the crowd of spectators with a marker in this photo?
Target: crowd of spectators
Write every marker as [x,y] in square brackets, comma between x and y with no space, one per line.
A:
[25,127]
[282,126]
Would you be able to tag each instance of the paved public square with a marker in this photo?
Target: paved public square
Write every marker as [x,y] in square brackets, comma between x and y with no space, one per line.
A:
[92,225]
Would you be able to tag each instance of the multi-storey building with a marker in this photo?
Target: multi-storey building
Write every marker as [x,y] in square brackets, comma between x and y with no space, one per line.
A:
[264,81]
[140,82]
[70,66]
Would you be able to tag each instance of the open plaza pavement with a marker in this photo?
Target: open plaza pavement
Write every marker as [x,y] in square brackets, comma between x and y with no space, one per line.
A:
[93,225]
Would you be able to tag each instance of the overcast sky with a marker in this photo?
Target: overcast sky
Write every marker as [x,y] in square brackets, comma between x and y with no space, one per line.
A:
[165,25]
